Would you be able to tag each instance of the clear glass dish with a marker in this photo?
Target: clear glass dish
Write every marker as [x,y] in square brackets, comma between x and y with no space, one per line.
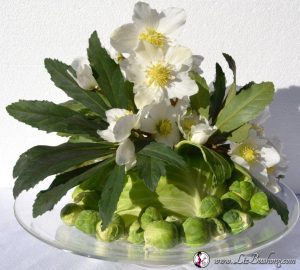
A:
[50,229]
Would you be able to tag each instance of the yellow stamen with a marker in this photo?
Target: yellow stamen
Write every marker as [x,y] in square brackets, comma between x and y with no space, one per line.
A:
[153,37]
[248,153]
[164,127]
[159,75]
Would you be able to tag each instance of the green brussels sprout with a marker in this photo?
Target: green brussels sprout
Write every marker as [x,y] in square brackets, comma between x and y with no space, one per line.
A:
[77,191]
[238,221]
[161,234]
[113,231]
[90,199]
[87,221]
[177,222]
[69,213]
[150,214]
[210,207]
[196,231]
[244,189]
[217,228]
[259,204]
[136,233]
[232,200]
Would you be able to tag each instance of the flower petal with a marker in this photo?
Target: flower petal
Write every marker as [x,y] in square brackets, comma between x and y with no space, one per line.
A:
[179,56]
[144,16]
[259,172]
[239,160]
[171,20]
[185,86]
[125,38]
[107,135]
[145,96]
[270,156]
[123,127]
[113,115]
[125,154]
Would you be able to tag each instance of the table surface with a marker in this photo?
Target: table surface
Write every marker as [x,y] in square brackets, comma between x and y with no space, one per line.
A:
[21,251]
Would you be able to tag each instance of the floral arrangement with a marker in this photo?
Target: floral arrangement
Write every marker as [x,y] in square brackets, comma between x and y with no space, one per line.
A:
[155,154]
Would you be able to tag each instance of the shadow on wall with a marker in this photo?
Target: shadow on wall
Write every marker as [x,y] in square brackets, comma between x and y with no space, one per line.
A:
[285,124]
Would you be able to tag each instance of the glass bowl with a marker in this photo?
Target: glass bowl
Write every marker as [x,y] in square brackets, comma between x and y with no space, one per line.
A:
[50,229]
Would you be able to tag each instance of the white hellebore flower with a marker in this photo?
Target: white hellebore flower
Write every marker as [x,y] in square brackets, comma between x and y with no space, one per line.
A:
[256,155]
[84,74]
[196,128]
[121,122]
[160,120]
[149,26]
[160,74]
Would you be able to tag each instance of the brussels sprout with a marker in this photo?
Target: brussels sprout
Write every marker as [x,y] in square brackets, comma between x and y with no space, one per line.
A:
[69,213]
[232,200]
[136,233]
[161,234]
[238,221]
[210,207]
[77,191]
[87,221]
[90,199]
[196,231]
[113,231]
[150,214]
[259,203]
[244,189]
[218,229]
[177,222]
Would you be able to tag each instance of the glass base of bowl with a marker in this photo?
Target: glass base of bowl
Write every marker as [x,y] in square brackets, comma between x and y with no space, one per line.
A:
[50,229]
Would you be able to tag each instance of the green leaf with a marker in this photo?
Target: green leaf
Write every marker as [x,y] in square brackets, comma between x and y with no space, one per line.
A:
[111,194]
[231,64]
[200,101]
[240,134]
[246,86]
[152,161]
[50,117]
[109,76]
[60,75]
[216,99]
[46,199]
[230,94]
[42,161]
[220,167]
[245,107]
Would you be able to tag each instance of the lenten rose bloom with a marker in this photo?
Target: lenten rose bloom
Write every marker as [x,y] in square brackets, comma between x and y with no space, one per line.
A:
[148,25]
[160,74]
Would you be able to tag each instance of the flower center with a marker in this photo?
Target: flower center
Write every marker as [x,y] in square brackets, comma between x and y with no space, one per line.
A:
[164,127]
[159,75]
[188,123]
[271,170]
[153,37]
[248,153]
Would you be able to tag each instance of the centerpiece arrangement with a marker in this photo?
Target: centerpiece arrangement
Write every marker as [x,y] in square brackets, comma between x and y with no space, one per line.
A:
[155,155]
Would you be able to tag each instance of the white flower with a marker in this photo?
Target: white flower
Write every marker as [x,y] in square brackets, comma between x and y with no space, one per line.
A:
[121,122]
[125,154]
[160,120]
[256,155]
[84,74]
[196,128]
[160,74]
[148,25]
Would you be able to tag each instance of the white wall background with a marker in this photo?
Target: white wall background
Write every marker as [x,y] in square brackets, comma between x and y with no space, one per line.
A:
[262,36]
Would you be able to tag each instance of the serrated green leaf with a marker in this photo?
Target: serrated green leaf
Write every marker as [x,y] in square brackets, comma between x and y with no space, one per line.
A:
[246,86]
[50,117]
[231,64]
[111,194]
[61,77]
[46,199]
[108,74]
[220,167]
[217,97]
[240,134]
[245,107]
[42,161]
[200,101]
[230,94]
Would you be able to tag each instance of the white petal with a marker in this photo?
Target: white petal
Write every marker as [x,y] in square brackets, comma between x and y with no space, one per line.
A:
[125,38]
[146,52]
[259,172]
[178,56]
[273,185]
[170,140]
[269,155]
[113,115]
[125,154]
[185,86]
[197,60]
[239,160]
[107,135]
[201,133]
[144,16]
[123,127]
[171,20]
[145,96]
[148,125]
